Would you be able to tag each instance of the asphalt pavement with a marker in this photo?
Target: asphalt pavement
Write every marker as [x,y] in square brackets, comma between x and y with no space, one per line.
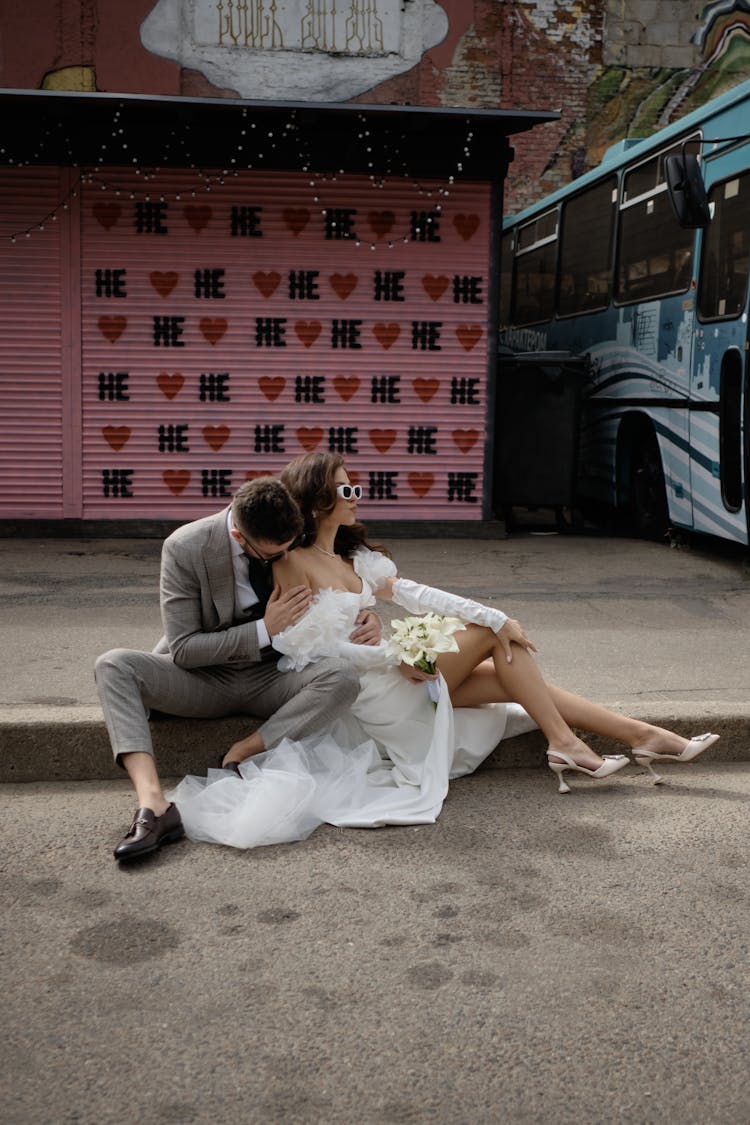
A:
[530,958]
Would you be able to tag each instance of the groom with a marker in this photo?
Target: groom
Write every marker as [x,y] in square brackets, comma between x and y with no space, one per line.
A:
[219,611]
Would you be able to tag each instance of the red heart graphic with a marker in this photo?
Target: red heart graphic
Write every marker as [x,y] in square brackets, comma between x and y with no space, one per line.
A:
[170,385]
[465,439]
[164,283]
[466,225]
[386,334]
[112,327]
[309,438]
[346,386]
[107,214]
[295,218]
[435,286]
[426,388]
[469,335]
[213,328]
[197,215]
[176,480]
[421,483]
[353,477]
[381,221]
[343,284]
[216,436]
[382,439]
[266,283]
[117,436]
[253,474]
[307,331]
[271,386]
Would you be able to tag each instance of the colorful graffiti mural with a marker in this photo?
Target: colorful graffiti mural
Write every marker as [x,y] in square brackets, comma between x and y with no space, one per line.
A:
[614,70]
[651,72]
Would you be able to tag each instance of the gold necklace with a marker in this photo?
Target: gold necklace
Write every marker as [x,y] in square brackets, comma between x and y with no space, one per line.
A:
[331,554]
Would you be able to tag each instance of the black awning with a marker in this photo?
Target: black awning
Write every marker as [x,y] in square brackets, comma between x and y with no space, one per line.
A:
[50,127]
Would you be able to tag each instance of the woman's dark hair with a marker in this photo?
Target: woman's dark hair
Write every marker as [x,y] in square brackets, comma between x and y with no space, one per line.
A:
[310,479]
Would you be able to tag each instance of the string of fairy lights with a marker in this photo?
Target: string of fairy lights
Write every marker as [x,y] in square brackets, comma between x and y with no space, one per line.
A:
[253,149]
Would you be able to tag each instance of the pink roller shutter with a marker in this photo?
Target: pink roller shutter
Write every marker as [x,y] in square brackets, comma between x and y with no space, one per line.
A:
[35,418]
[226,331]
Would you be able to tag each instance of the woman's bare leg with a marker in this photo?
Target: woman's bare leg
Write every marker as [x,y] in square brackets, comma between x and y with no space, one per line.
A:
[579,712]
[473,679]
[472,683]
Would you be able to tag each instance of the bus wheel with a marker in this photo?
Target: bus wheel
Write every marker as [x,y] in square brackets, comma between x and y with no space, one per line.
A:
[648,511]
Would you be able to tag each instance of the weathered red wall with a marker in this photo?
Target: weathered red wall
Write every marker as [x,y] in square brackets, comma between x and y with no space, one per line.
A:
[42,37]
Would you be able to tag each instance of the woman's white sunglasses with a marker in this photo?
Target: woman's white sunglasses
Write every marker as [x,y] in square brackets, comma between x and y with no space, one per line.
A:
[349,491]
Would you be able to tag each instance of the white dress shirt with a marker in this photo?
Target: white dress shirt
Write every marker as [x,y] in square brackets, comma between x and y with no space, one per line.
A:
[244,595]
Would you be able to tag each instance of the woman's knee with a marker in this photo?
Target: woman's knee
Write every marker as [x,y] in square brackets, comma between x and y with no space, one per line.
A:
[478,639]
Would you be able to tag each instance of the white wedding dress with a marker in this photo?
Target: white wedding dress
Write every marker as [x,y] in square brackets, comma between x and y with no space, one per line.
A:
[388,762]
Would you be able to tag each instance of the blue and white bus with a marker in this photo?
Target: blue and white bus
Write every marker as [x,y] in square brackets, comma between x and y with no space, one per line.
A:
[603,268]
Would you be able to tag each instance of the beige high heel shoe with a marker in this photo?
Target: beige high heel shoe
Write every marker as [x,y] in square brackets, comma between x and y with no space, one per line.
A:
[611,764]
[689,753]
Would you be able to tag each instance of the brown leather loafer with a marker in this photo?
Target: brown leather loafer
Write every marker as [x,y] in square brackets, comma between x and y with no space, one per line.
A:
[149,832]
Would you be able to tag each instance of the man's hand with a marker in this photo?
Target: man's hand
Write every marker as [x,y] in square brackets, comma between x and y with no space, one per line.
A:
[369,629]
[415,675]
[285,609]
[512,631]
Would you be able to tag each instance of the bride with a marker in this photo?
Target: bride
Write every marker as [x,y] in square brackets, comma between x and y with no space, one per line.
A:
[408,734]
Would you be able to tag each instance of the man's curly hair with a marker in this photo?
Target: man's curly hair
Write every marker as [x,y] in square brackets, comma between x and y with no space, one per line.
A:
[264,509]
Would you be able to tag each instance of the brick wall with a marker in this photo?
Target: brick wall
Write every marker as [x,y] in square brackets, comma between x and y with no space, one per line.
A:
[614,68]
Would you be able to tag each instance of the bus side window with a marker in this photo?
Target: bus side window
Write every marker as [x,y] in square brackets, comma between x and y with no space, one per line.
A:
[586,250]
[654,254]
[642,273]
[725,258]
[535,270]
[535,286]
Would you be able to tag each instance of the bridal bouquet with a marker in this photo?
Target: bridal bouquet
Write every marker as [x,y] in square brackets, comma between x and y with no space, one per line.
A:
[420,640]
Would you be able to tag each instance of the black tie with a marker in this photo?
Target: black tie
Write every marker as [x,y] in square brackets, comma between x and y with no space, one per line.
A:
[259,573]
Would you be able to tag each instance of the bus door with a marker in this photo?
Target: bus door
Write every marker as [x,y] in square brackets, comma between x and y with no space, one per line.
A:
[720,381]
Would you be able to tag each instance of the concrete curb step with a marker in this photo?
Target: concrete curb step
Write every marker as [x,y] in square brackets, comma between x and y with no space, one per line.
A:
[71,744]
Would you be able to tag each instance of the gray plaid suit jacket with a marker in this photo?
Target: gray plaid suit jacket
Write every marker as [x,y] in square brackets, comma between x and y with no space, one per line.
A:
[197,598]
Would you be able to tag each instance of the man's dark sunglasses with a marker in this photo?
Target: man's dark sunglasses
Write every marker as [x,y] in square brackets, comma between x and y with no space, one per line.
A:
[269,558]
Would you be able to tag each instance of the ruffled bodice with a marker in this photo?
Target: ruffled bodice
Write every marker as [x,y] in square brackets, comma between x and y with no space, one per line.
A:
[326,627]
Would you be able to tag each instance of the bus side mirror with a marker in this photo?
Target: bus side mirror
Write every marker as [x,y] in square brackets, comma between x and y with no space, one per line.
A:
[687,190]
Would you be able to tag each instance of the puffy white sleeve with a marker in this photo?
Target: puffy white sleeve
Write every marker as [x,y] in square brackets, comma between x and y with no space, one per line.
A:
[416,598]
[373,567]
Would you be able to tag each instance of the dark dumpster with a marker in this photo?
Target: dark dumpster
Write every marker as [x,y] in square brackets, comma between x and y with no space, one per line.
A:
[537,425]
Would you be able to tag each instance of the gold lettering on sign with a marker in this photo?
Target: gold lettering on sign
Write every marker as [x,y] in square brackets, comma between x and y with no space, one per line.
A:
[352,27]
[364,28]
[247,23]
